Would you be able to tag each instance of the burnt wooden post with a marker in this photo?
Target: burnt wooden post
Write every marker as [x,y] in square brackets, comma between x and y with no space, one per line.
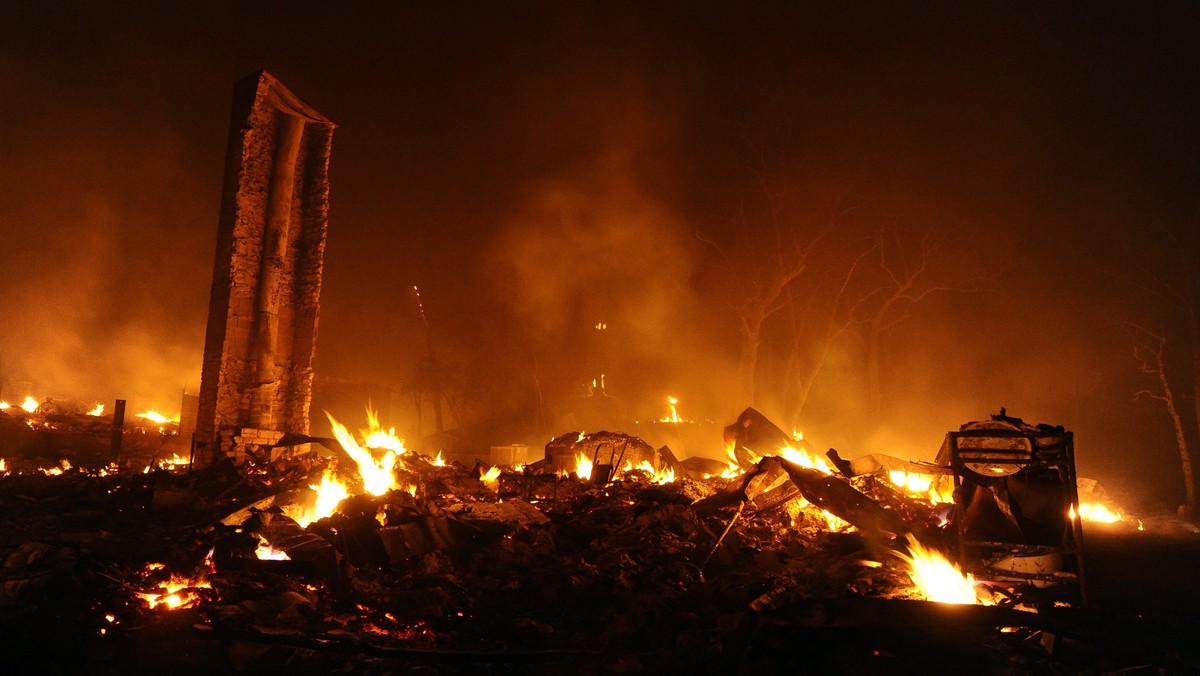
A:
[118,429]
[256,381]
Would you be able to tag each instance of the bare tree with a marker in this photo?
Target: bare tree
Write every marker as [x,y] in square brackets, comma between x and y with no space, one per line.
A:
[1149,348]
[909,270]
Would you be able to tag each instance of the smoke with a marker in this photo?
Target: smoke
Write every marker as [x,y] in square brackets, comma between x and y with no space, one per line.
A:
[103,276]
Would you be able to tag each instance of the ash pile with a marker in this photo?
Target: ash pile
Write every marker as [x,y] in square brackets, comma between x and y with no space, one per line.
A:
[605,556]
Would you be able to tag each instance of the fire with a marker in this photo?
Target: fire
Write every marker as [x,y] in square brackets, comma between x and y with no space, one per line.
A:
[30,404]
[376,437]
[938,579]
[673,416]
[56,471]
[178,592]
[583,467]
[926,485]
[3,466]
[154,416]
[492,476]
[265,552]
[170,463]
[377,476]
[330,493]
[805,459]
[1095,512]
[4,405]
[659,476]
[438,462]
[97,411]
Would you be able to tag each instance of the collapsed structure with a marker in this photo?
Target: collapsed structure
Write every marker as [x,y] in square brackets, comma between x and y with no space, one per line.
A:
[256,381]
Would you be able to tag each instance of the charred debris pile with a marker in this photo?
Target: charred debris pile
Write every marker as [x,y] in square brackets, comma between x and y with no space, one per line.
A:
[605,556]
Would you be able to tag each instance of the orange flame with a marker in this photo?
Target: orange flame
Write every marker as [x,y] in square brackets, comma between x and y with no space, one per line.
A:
[154,416]
[265,552]
[97,411]
[939,580]
[583,467]
[673,416]
[30,404]
[377,475]
[491,477]
[178,592]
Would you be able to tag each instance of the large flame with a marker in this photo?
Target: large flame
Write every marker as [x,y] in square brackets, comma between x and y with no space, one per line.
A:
[30,404]
[377,475]
[938,579]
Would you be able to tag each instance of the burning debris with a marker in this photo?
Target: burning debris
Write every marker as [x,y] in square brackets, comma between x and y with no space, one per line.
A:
[380,553]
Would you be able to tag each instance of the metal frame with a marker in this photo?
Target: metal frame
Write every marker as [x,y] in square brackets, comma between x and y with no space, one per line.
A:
[1051,452]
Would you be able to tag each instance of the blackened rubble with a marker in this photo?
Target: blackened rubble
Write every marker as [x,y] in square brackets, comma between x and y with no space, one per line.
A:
[536,569]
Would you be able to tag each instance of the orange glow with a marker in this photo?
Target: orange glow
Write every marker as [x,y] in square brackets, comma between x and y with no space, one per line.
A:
[97,411]
[1095,512]
[377,475]
[938,580]
[178,592]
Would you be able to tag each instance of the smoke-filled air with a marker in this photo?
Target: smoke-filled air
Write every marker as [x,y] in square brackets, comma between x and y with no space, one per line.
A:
[553,220]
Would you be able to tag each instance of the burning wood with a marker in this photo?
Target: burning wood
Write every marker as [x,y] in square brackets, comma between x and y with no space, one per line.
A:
[397,554]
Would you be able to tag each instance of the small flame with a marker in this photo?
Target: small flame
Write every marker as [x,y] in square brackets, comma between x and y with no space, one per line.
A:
[937,489]
[30,404]
[265,552]
[939,580]
[3,466]
[1096,513]
[673,416]
[805,459]
[178,592]
[798,435]
[438,462]
[97,411]
[154,416]
[63,466]
[583,467]
[600,326]
[4,405]
[659,476]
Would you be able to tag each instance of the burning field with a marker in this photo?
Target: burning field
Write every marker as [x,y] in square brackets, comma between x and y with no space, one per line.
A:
[607,555]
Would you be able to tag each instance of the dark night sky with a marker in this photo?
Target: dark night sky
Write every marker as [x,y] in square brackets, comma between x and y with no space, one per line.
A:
[537,167]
